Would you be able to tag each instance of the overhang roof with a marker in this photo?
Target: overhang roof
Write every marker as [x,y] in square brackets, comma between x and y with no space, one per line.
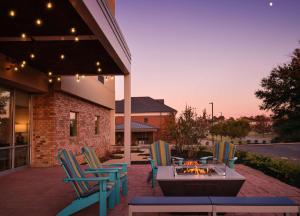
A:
[100,38]
[137,127]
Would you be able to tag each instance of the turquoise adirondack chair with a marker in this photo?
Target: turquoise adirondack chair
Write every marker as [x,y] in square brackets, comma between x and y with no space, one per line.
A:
[160,155]
[223,152]
[95,164]
[87,194]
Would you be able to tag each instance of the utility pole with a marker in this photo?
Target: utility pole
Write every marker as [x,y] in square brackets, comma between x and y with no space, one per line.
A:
[212,119]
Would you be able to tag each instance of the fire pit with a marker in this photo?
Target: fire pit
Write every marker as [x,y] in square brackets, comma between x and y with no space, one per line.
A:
[199,180]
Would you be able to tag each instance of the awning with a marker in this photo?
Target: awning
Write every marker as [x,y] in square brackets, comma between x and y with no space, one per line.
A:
[137,127]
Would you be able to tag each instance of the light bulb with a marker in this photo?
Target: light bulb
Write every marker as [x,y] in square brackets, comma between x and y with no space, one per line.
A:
[12,13]
[73,30]
[38,22]
[49,5]
[58,79]
[97,63]
[76,39]
[23,35]
[62,56]
[50,80]
[50,73]
[32,56]
[99,69]
[271,4]
[16,68]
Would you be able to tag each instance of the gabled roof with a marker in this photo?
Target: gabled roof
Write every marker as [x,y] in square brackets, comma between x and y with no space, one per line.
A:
[136,126]
[144,105]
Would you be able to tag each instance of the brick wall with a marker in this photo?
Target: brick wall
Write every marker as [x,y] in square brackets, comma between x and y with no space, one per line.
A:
[51,130]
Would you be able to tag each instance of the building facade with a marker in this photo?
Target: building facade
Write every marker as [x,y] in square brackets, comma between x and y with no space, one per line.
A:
[48,103]
[149,119]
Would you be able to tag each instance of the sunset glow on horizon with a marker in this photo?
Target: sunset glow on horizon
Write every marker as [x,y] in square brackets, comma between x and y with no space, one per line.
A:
[199,51]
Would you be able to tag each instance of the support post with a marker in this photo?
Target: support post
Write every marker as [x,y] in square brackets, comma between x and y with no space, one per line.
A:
[127,118]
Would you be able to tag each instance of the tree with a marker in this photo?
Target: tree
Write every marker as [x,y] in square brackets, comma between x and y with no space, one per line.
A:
[262,125]
[280,94]
[188,130]
[232,128]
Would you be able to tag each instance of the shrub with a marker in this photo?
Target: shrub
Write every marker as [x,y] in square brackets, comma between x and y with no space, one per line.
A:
[283,170]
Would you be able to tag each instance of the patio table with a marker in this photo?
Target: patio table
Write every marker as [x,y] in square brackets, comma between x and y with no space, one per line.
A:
[199,185]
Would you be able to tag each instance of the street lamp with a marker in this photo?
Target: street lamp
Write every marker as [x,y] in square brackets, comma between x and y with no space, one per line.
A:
[212,119]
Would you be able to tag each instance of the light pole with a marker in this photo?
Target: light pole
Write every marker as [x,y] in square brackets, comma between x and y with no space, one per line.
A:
[212,119]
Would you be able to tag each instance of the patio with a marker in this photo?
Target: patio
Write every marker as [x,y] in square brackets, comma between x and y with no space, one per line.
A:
[41,191]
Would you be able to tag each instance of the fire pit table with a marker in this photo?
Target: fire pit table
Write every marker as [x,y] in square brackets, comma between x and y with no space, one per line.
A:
[201,180]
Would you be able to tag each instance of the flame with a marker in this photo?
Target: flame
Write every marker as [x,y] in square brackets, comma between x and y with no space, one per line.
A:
[191,163]
[196,171]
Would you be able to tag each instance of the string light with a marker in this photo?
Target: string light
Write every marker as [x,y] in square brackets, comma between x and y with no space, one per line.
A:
[76,39]
[73,30]
[50,73]
[98,63]
[16,68]
[12,13]
[23,64]
[38,22]
[58,79]
[32,56]
[23,35]
[99,70]
[62,56]
[49,5]
[50,80]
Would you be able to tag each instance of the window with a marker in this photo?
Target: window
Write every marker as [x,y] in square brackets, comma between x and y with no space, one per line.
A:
[145,120]
[97,122]
[73,124]
[101,79]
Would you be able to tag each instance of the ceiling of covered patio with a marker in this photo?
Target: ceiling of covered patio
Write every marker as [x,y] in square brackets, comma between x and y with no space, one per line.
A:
[57,38]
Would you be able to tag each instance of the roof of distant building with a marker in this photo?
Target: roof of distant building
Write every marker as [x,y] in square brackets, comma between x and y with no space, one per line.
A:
[144,105]
[136,126]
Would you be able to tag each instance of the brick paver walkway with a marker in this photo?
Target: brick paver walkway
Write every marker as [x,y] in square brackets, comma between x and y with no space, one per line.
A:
[41,191]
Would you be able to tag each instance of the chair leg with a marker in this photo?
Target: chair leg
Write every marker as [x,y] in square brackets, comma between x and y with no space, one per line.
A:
[117,192]
[102,204]
[124,186]
[112,199]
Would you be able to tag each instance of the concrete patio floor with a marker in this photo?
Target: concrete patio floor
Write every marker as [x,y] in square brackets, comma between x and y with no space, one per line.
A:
[41,191]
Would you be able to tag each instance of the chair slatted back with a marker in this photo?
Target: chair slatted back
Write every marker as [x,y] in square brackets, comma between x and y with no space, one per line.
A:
[224,151]
[91,157]
[161,153]
[73,170]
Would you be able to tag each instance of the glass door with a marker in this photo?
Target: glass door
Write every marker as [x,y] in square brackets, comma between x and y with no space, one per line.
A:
[14,129]
[5,129]
[22,136]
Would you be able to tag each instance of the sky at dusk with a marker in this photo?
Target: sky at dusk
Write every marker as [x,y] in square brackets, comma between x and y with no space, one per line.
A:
[192,52]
